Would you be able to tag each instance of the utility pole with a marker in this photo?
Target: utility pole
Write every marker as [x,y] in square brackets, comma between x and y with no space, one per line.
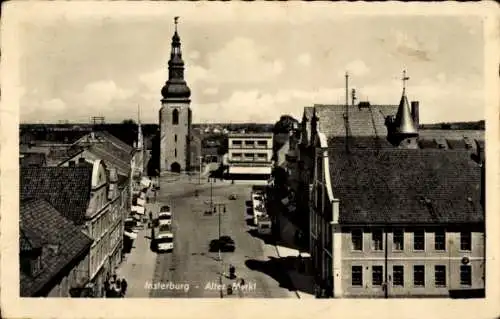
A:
[386,290]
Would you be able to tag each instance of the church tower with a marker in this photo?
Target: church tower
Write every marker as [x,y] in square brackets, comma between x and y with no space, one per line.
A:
[175,114]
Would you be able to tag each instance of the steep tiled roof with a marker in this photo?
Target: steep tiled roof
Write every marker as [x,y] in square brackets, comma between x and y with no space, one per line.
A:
[32,159]
[308,112]
[390,186]
[451,134]
[358,142]
[363,121]
[112,156]
[41,220]
[116,142]
[66,188]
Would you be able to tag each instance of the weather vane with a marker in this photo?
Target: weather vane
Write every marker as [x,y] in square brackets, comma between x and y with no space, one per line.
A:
[176,21]
[405,78]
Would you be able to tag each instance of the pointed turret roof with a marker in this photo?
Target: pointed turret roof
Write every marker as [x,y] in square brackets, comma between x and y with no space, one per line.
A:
[404,124]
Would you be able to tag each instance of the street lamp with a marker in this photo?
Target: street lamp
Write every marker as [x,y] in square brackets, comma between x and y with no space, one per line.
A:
[218,207]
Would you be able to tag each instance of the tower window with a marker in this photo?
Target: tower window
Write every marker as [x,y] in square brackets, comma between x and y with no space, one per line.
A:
[175,152]
[175,117]
[175,138]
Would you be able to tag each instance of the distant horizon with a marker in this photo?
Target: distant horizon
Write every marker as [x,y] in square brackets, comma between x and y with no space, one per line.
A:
[224,123]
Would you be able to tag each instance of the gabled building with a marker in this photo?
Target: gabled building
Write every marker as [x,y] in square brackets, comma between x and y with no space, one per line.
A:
[392,215]
[84,194]
[54,253]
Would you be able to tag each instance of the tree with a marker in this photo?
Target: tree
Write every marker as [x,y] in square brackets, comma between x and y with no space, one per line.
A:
[284,125]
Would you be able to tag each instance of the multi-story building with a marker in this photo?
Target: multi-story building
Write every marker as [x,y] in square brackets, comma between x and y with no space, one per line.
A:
[390,216]
[85,194]
[250,155]
[54,253]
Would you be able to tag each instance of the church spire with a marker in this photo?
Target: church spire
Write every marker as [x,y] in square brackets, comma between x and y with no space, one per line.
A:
[176,87]
[140,138]
[404,124]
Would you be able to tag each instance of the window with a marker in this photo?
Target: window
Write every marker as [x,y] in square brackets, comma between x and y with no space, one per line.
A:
[440,276]
[376,275]
[237,155]
[175,117]
[175,138]
[237,143]
[465,275]
[175,152]
[439,240]
[419,239]
[398,277]
[262,143]
[249,143]
[357,276]
[249,156]
[419,276]
[465,240]
[357,239]
[377,239]
[398,239]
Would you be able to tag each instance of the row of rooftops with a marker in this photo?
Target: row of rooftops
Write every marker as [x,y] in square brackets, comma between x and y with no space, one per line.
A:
[45,234]
[379,182]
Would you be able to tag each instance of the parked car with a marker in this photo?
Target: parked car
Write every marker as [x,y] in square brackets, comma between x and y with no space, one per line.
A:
[165,209]
[165,218]
[224,244]
[232,197]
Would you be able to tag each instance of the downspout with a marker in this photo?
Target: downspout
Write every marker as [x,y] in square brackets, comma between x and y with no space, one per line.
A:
[386,290]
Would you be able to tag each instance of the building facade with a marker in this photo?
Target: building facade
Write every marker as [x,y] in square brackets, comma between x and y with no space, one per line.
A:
[389,215]
[250,154]
[175,114]
[84,193]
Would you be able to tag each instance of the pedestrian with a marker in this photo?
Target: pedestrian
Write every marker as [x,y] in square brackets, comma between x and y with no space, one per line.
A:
[118,288]
[124,287]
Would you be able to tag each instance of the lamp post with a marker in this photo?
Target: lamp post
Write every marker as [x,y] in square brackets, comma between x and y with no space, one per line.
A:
[218,207]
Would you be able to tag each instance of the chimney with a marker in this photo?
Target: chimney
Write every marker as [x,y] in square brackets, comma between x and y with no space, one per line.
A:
[71,163]
[415,113]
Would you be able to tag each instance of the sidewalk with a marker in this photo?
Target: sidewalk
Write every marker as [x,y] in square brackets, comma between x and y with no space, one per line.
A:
[139,265]
[302,282]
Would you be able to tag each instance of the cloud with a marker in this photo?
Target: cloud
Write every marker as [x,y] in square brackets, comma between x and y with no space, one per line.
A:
[243,60]
[407,45]
[194,55]
[304,59]
[357,68]
[101,93]
[211,91]
[254,106]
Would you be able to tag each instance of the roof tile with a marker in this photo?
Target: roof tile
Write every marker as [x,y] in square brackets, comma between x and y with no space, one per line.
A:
[66,188]
[39,221]
[387,186]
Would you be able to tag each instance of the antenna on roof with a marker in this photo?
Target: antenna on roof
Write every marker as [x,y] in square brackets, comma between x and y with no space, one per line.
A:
[346,115]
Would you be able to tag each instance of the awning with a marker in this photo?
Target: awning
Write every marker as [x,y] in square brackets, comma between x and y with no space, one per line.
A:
[250,170]
[138,210]
[131,235]
[146,182]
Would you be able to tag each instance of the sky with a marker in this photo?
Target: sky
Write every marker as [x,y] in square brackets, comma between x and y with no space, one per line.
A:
[247,63]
